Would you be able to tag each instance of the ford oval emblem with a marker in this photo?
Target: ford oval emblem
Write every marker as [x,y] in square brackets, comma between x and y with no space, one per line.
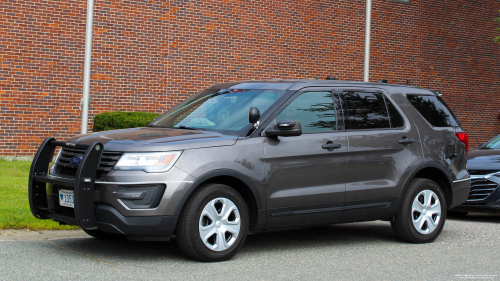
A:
[75,160]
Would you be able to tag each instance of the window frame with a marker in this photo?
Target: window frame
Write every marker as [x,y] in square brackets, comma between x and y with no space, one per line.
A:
[402,1]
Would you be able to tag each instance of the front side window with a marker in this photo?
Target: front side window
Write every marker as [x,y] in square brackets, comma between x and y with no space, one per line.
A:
[224,111]
[434,110]
[366,110]
[314,110]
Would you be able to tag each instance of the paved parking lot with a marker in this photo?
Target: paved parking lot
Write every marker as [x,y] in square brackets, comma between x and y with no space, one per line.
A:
[468,248]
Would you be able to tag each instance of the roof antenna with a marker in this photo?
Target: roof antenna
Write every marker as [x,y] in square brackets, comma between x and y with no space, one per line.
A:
[330,78]
[383,81]
[407,82]
[316,77]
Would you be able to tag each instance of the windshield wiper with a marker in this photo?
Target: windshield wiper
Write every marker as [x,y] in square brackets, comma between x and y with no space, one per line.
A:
[189,128]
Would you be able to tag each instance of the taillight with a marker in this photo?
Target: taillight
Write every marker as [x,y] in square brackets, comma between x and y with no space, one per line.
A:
[463,137]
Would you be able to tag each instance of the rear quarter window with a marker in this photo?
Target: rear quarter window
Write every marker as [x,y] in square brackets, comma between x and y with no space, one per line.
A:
[434,110]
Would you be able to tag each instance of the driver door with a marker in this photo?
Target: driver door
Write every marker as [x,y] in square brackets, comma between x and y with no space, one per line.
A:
[306,182]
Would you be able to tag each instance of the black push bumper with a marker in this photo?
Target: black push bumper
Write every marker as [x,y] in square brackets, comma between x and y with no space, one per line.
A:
[88,214]
[156,228]
[82,184]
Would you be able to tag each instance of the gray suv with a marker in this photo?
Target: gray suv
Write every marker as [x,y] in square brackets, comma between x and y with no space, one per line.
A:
[249,156]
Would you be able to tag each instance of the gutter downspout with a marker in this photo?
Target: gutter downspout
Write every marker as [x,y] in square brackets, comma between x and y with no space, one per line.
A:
[367,40]
[86,72]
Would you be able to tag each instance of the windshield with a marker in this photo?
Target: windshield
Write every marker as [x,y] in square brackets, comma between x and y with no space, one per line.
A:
[224,111]
[494,143]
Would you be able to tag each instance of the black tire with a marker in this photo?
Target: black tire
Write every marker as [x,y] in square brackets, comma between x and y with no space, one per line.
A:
[104,235]
[457,214]
[188,226]
[403,222]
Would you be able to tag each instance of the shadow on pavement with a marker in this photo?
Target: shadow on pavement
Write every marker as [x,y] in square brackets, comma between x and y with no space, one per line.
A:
[262,243]
[478,217]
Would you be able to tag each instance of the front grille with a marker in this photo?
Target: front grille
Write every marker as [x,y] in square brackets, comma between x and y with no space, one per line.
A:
[481,188]
[64,168]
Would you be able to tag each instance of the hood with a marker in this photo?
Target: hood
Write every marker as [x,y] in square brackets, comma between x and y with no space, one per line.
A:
[483,159]
[155,139]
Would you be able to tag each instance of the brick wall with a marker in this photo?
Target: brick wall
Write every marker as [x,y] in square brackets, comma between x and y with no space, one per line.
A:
[150,55]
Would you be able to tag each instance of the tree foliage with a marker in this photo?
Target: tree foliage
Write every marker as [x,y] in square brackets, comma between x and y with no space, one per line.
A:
[498,29]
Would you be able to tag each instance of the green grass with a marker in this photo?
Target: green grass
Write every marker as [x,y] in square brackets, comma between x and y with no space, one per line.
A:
[15,211]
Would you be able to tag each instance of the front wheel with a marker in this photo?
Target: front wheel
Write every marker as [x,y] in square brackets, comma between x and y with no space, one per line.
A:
[422,213]
[213,224]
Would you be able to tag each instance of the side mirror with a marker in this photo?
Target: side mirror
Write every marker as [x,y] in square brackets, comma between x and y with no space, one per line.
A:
[254,116]
[285,128]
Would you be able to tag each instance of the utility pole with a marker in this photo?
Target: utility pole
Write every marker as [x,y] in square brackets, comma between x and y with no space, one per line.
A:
[366,76]
[86,71]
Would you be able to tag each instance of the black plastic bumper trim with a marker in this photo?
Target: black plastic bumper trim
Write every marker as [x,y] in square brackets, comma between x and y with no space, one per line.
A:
[460,193]
[162,226]
[60,218]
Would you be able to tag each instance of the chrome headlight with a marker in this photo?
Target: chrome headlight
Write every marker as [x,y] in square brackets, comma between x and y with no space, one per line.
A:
[150,162]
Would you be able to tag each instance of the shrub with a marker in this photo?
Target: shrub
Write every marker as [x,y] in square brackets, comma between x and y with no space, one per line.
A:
[121,120]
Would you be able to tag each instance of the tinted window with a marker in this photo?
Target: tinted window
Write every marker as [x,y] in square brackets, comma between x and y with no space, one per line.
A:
[397,120]
[314,110]
[366,110]
[433,110]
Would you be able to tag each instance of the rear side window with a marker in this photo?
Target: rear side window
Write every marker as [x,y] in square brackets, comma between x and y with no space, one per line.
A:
[434,110]
[366,110]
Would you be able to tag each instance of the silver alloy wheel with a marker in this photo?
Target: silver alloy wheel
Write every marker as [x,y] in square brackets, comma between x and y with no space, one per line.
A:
[426,211]
[219,224]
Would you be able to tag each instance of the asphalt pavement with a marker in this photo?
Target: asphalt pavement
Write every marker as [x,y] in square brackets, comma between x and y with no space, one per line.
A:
[468,248]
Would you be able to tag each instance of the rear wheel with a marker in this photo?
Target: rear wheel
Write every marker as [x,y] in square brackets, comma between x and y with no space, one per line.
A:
[422,213]
[213,224]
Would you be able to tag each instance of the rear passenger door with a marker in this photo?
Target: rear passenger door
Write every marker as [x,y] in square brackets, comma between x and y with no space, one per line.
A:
[383,144]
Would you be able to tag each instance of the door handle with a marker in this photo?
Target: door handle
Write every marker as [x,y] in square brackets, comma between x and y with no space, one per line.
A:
[406,141]
[331,146]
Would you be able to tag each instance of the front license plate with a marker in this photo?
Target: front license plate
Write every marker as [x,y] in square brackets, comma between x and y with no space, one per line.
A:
[66,198]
